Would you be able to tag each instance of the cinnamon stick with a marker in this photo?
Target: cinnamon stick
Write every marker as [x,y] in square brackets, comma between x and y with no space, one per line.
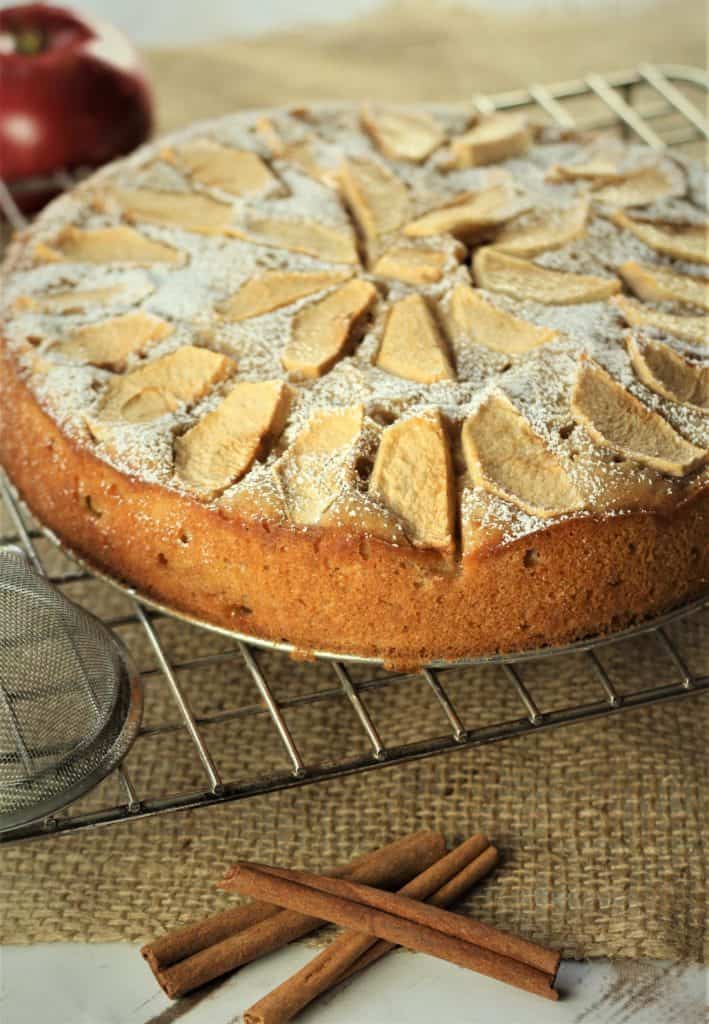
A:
[455,925]
[184,942]
[389,866]
[446,895]
[288,889]
[446,880]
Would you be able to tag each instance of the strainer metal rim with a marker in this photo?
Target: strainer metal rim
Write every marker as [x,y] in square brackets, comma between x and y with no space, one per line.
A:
[102,726]
[112,757]
[116,734]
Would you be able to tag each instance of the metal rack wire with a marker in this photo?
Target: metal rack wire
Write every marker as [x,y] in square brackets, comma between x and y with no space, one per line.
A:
[662,106]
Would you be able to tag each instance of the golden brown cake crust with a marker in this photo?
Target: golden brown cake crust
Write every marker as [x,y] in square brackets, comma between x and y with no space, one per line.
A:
[365,381]
[325,590]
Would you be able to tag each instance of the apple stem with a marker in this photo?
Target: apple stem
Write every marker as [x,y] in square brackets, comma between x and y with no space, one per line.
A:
[30,41]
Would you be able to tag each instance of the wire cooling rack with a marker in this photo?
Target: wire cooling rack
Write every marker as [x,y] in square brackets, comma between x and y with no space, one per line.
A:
[437,710]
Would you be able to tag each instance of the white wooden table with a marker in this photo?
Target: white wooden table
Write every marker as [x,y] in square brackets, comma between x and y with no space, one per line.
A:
[109,983]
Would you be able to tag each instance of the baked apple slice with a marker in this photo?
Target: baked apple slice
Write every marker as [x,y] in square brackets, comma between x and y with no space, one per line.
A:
[319,466]
[323,241]
[413,478]
[278,288]
[412,265]
[412,346]
[666,373]
[694,329]
[615,183]
[469,215]
[187,210]
[379,201]
[642,187]
[109,343]
[522,279]
[324,330]
[218,450]
[688,242]
[493,138]
[163,385]
[64,302]
[617,420]
[601,164]
[299,152]
[472,319]
[240,172]
[506,457]
[402,134]
[544,229]
[658,284]
[107,245]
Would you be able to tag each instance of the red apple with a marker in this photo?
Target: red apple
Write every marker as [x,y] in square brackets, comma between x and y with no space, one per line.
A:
[73,94]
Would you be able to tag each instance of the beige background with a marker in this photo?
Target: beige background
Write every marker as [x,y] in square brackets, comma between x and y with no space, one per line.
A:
[603,826]
[424,51]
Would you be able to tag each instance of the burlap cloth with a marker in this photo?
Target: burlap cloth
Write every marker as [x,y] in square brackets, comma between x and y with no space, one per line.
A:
[603,825]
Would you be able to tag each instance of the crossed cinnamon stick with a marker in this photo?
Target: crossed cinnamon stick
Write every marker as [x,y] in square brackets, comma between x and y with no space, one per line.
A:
[379,920]
[196,954]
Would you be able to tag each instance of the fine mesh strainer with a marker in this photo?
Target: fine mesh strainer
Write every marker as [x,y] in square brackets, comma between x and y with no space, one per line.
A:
[70,701]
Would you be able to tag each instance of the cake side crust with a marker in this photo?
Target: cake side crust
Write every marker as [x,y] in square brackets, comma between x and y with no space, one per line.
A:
[332,589]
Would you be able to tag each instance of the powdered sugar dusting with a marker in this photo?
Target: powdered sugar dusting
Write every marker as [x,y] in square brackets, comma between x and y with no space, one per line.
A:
[191,297]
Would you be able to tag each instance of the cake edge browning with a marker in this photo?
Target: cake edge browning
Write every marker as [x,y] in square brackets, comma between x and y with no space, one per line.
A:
[330,589]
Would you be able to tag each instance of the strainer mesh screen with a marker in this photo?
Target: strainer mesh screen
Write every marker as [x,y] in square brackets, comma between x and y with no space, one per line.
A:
[59,685]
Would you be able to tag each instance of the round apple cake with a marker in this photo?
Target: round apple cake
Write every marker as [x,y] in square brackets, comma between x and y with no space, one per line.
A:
[406,383]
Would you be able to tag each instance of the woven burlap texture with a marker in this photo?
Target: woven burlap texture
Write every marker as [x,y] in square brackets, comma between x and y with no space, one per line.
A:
[603,826]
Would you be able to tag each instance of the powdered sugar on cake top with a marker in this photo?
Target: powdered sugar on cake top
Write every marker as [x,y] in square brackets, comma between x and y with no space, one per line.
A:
[191,297]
